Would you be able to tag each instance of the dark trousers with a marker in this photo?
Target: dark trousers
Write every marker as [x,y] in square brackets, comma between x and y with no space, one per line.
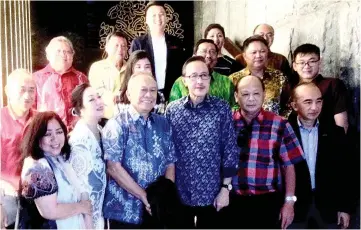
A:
[205,217]
[114,224]
[250,212]
[314,220]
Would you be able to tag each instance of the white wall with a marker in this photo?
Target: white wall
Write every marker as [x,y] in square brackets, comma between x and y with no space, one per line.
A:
[333,25]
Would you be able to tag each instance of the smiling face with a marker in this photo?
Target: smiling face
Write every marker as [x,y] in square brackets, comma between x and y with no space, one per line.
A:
[60,55]
[255,55]
[209,52]
[308,102]
[116,48]
[197,79]
[156,18]
[217,36]
[53,140]
[307,66]
[143,65]
[250,95]
[93,105]
[142,93]
[21,91]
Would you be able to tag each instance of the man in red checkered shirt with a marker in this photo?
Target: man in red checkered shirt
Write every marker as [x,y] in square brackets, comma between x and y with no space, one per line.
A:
[263,192]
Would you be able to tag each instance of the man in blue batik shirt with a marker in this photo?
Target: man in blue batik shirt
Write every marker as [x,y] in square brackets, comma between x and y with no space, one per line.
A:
[138,148]
[206,148]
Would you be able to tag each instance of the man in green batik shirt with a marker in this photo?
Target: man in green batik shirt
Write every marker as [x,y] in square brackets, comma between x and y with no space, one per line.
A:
[221,86]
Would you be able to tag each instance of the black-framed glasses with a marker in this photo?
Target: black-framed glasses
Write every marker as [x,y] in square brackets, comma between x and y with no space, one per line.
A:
[194,77]
[310,63]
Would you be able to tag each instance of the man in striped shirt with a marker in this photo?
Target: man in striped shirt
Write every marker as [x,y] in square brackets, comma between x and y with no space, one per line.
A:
[264,189]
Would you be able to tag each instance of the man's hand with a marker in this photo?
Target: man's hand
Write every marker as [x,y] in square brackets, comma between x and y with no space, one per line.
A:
[222,199]
[3,217]
[343,219]
[146,203]
[286,214]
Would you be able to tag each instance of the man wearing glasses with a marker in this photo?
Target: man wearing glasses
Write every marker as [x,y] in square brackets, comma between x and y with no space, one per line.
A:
[206,148]
[56,81]
[307,64]
[264,189]
[221,86]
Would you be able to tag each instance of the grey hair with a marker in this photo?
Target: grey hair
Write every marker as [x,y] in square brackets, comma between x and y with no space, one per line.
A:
[59,39]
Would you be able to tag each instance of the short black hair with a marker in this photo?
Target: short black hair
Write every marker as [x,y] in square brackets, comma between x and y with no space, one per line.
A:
[214,26]
[190,60]
[201,41]
[115,34]
[254,38]
[239,80]
[77,97]
[306,48]
[293,93]
[36,130]
[153,3]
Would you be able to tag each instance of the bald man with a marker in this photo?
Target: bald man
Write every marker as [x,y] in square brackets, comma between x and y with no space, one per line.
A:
[275,60]
[320,187]
[267,144]
[20,91]
[138,148]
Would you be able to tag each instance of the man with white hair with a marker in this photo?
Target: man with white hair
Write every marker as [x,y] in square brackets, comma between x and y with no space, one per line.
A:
[20,90]
[56,81]
[138,148]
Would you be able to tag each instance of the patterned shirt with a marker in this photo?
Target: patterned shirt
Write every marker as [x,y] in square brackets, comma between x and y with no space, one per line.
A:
[274,61]
[206,148]
[54,91]
[275,83]
[144,148]
[266,144]
[220,86]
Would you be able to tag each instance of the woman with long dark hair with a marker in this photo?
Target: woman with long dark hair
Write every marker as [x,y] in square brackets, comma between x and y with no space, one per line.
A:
[50,193]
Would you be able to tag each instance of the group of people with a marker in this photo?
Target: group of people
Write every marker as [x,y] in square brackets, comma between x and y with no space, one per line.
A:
[247,143]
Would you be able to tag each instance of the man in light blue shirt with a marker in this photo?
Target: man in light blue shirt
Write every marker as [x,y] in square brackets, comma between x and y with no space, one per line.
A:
[323,182]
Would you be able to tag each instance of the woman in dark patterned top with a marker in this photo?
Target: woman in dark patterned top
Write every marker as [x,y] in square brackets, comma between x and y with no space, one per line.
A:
[49,191]
[225,64]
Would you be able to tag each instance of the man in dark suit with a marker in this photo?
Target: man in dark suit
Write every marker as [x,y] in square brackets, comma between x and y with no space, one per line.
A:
[166,51]
[321,187]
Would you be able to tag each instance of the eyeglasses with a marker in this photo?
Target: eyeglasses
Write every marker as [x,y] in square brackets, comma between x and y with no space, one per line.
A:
[194,77]
[310,63]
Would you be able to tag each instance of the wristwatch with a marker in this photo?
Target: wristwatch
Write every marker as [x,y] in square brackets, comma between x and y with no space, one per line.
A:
[227,186]
[290,198]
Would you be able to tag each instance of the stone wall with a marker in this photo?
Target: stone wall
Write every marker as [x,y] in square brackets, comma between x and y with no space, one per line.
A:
[333,25]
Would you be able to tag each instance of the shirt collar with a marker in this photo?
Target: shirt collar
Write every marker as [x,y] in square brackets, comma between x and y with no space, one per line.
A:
[266,73]
[135,115]
[259,118]
[301,126]
[189,104]
[22,120]
[49,69]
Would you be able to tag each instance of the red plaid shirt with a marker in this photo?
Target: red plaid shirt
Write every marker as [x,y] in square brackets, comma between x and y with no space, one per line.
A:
[266,144]
[54,91]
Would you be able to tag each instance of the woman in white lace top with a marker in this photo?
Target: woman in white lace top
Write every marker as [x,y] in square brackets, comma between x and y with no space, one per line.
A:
[86,148]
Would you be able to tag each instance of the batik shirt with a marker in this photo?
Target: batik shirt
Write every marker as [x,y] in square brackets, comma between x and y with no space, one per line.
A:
[206,149]
[145,149]
[220,87]
[275,85]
